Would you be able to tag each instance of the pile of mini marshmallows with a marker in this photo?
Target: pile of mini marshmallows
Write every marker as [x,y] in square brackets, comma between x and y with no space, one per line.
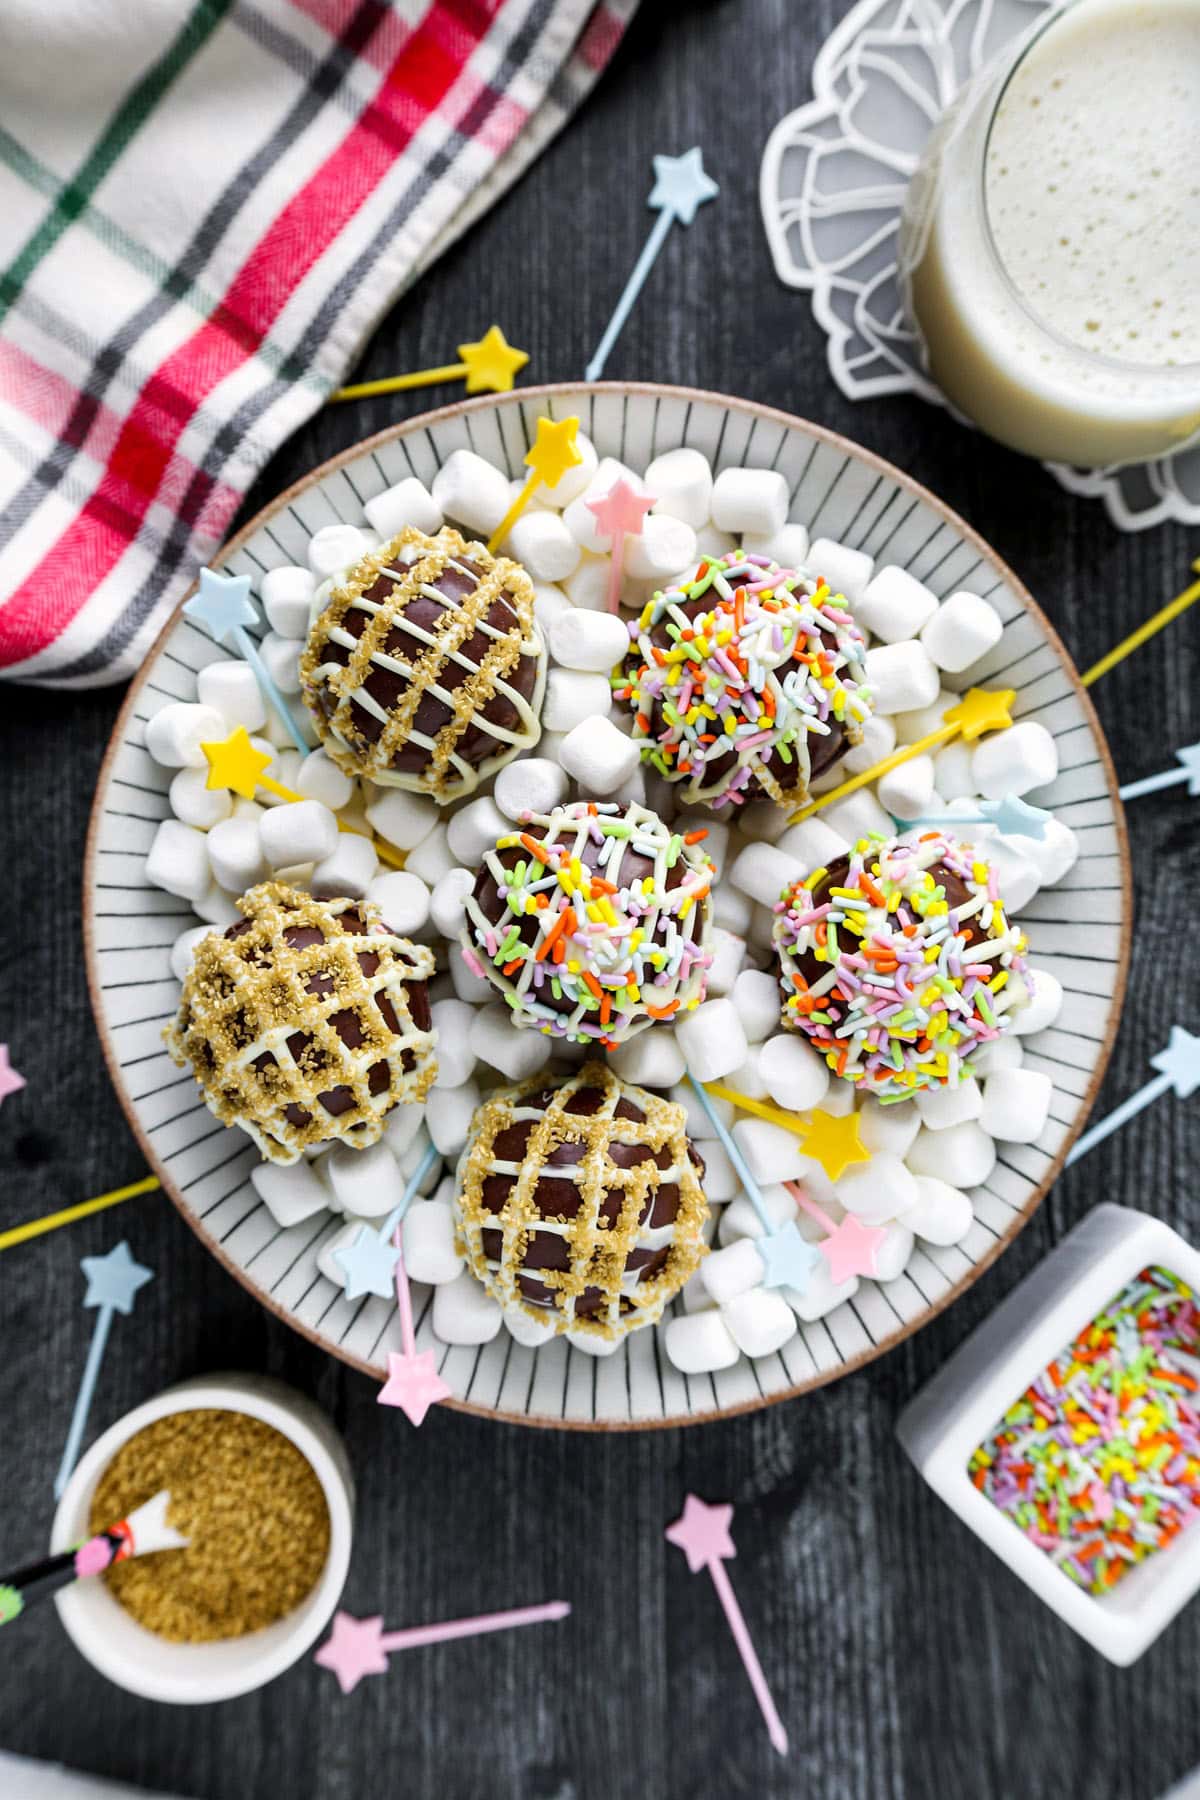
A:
[927,1155]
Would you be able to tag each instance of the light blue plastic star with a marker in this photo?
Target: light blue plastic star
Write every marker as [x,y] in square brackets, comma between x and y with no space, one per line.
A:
[113,1280]
[369,1265]
[1013,817]
[788,1259]
[222,607]
[681,185]
[1180,1061]
[1189,757]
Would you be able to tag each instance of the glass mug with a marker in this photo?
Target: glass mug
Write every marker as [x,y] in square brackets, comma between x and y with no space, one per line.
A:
[1050,242]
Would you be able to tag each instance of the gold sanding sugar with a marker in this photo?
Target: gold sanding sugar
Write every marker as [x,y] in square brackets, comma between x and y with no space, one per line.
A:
[249,1503]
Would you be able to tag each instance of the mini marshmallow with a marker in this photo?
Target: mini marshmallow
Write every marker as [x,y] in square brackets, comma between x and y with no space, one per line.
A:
[942,1214]
[463,1310]
[962,1154]
[405,820]
[401,1129]
[428,1240]
[498,1046]
[796,1077]
[184,949]
[455,1021]
[175,733]
[952,769]
[857,816]
[230,688]
[287,596]
[216,907]
[471,491]
[598,755]
[941,1107]
[236,855]
[699,1343]
[1044,1004]
[348,870]
[878,1190]
[632,791]
[1014,761]
[757,1002]
[586,590]
[592,641]
[694,1296]
[728,955]
[663,548]
[1016,1105]
[888,1128]
[712,1039]
[548,602]
[291,1193]
[819,1297]
[921,720]
[432,858]
[336,547]
[699,1125]
[721,1180]
[327,1255]
[403,899]
[745,1079]
[1006,1052]
[651,1059]
[770,1153]
[847,571]
[281,659]
[194,803]
[476,990]
[578,517]
[366,1182]
[541,543]
[449,1111]
[448,899]
[299,832]
[759,1322]
[740,1218]
[891,1257]
[319,778]
[761,822]
[408,503]
[963,629]
[529,1332]
[572,697]
[731,909]
[754,500]
[575,481]
[788,546]
[901,676]
[1016,875]
[178,860]
[764,872]
[682,481]
[531,784]
[475,828]
[907,790]
[895,605]
[878,741]
[813,844]
[1053,855]
[732,1271]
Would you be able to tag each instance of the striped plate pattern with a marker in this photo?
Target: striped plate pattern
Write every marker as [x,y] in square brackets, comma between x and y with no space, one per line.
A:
[1078,930]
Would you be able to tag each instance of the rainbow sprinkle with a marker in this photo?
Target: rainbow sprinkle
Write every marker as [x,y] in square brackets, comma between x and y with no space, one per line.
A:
[727,695]
[1098,1462]
[613,953]
[909,988]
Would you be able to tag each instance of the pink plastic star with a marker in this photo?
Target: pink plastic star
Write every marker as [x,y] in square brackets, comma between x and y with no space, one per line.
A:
[852,1248]
[10,1081]
[619,513]
[354,1649]
[413,1384]
[702,1533]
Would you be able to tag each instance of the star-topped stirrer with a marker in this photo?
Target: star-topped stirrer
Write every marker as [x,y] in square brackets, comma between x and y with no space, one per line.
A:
[113,1282]
[1189,770]
[702,1533]
[788,1261]
[680,188]
[358,1647]
[831,1139]
[224,608]
[552,452]
[489,367]
[620,514]
[1010,816]
[235,764]
[1179,1068]
[369,1264]
[979,710]
[851,1248]
[10,1081]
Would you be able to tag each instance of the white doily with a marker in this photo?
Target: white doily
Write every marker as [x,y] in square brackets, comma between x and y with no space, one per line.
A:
[833,179]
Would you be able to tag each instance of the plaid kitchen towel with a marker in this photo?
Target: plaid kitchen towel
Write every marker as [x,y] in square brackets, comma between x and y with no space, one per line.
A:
[205,206]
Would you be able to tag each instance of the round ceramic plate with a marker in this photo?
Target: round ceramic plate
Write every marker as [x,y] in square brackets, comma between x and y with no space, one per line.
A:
[1078,930]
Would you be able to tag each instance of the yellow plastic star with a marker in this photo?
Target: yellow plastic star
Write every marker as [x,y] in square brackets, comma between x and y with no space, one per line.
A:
[235,764]
[554,450]
[980,710]
[834,1142]
[491,364]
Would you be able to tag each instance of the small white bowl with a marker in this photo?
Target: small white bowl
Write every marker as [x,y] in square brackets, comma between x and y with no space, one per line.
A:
[191,1674]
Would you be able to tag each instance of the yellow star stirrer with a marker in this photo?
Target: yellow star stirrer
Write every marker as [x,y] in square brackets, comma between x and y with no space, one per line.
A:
[489,367]
[979,710]
[548,458]
[832,1140]
[235,764]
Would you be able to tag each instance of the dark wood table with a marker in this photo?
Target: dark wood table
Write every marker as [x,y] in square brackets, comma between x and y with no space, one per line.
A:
[908,1664]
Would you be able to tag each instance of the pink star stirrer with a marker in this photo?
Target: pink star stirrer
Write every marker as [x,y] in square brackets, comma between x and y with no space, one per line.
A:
[358,1647]
[413,1383]
[702,1533]
[620,513]
[851,1248]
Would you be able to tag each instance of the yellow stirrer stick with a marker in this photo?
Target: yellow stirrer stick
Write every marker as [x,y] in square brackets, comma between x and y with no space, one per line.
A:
[21,1234]
[1137,638]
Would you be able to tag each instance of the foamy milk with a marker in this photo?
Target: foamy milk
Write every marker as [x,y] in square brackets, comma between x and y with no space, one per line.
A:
[1053,236]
